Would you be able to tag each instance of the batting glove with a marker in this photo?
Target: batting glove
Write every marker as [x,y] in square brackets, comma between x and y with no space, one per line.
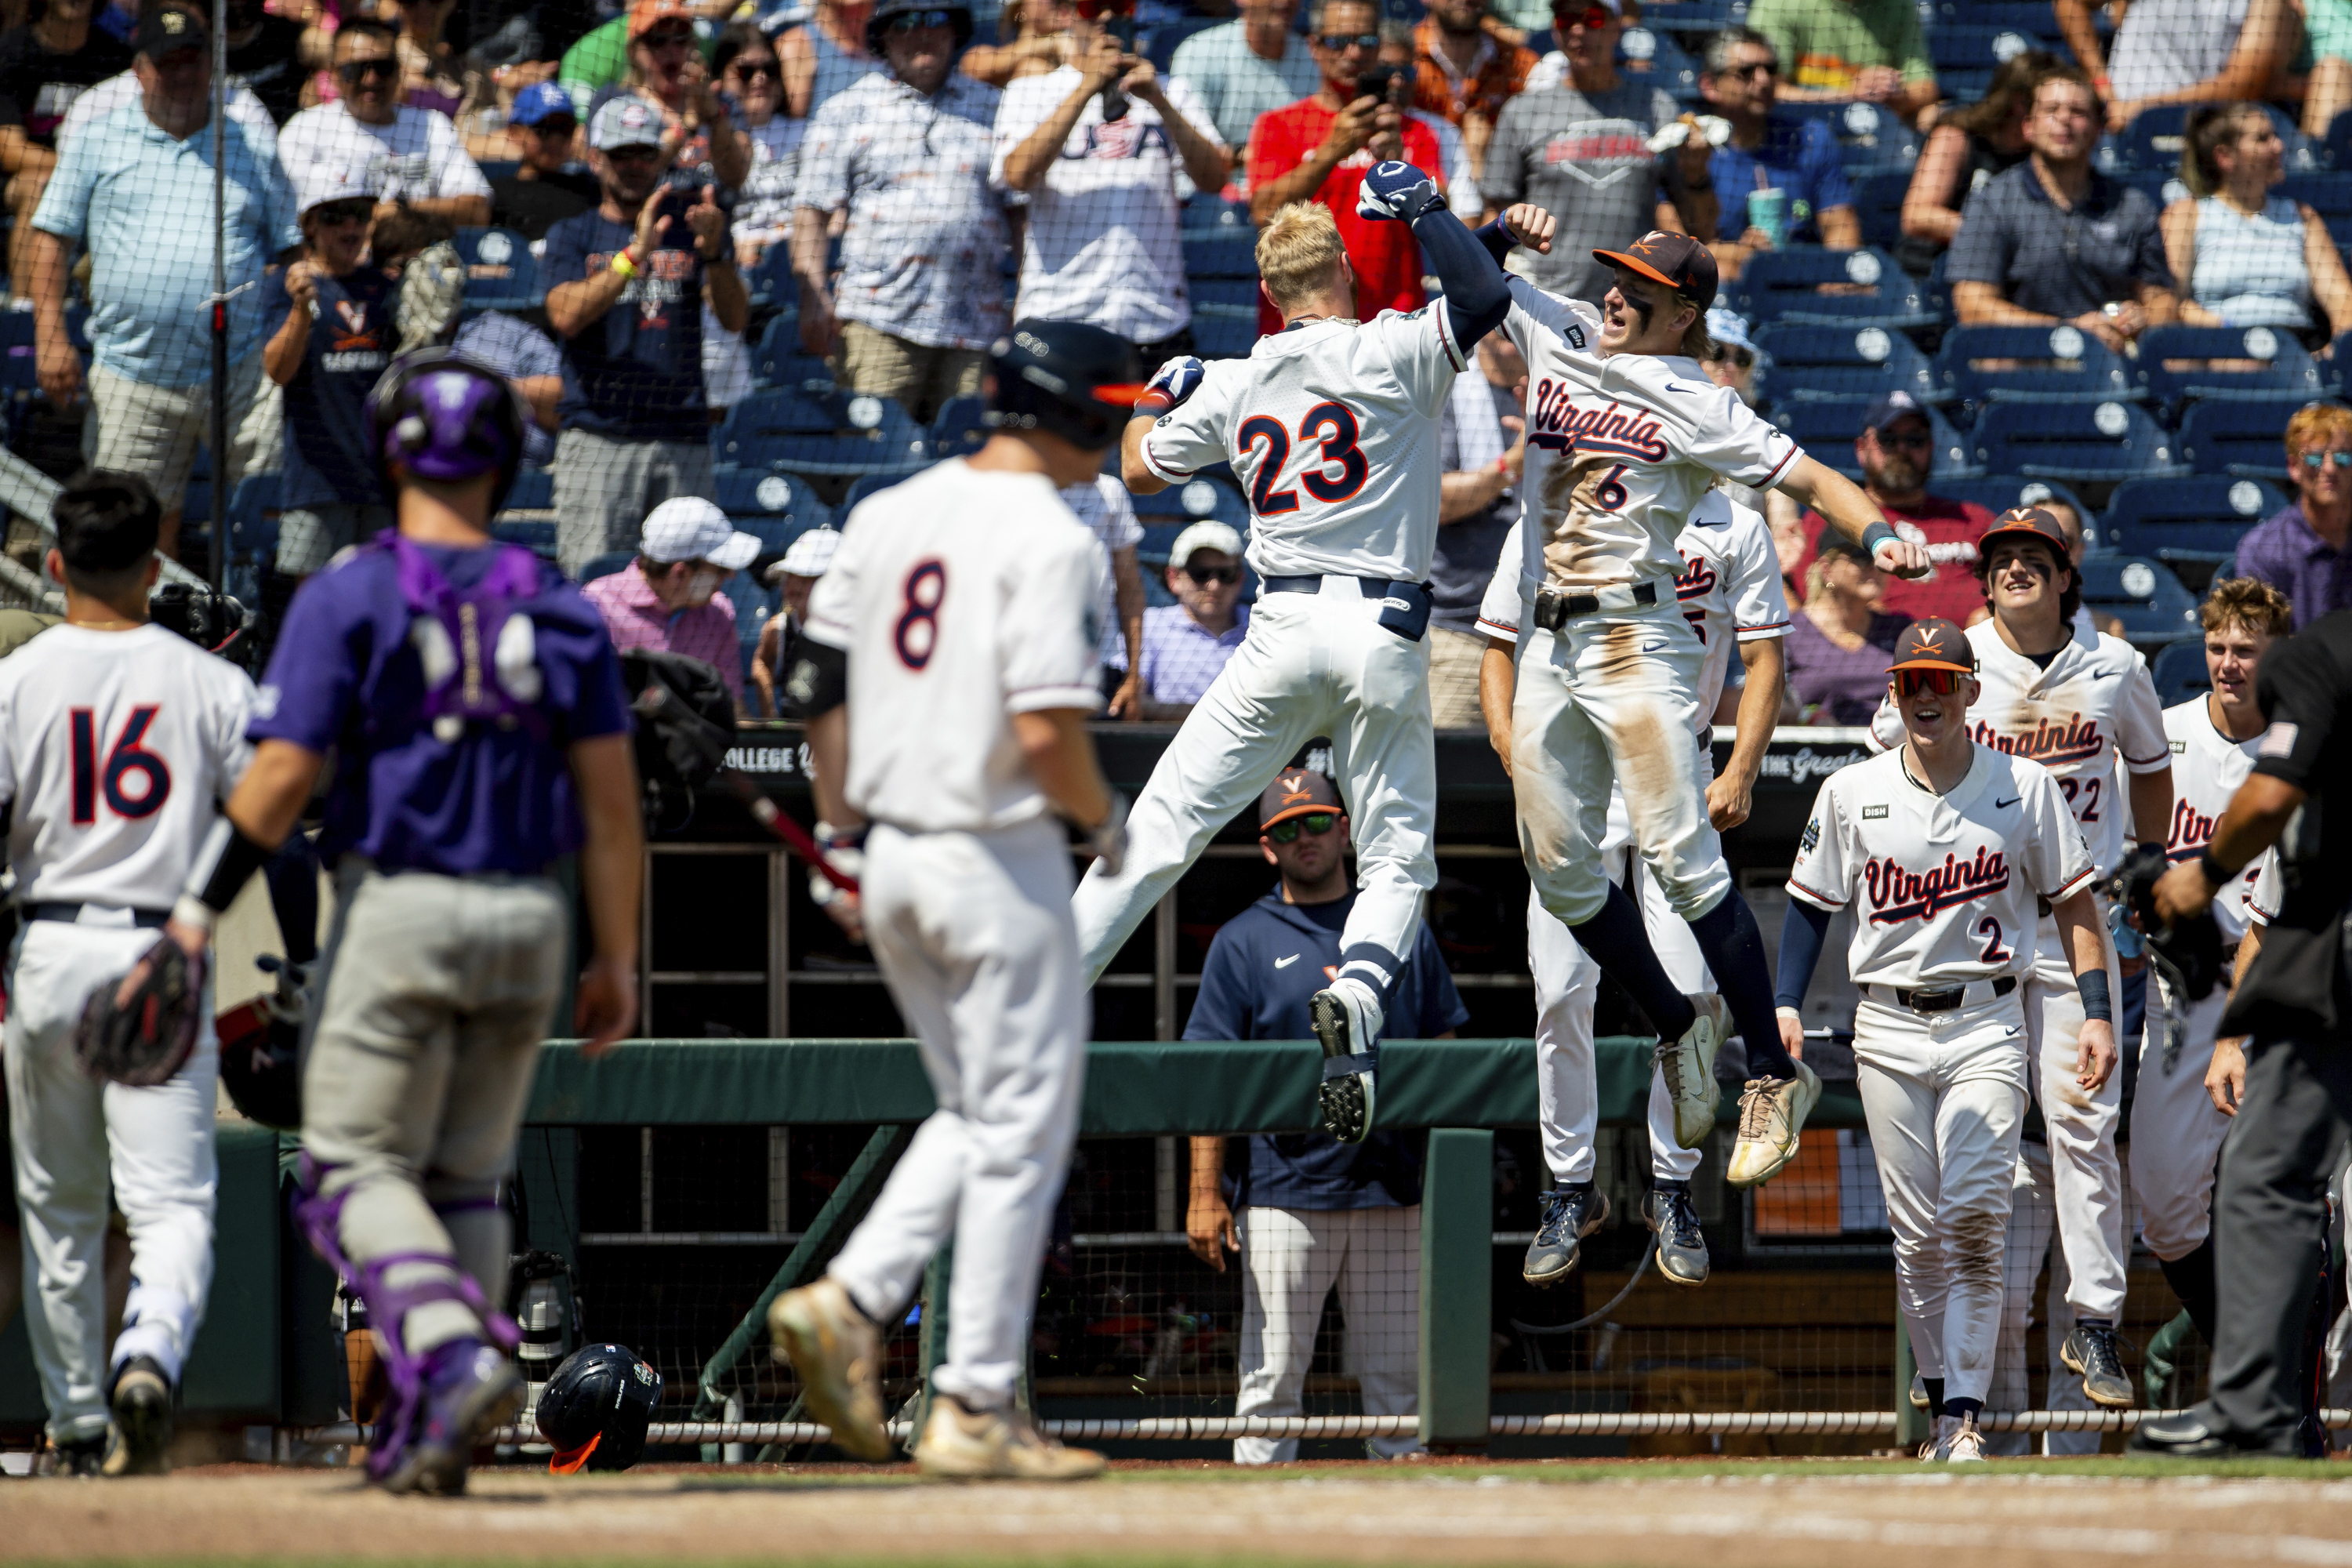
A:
[1107,839]
[1398,191]
[845,852]
[1177,380]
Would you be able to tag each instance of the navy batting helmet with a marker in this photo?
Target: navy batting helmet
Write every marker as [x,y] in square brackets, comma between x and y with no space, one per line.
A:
[595,1408]
[1078,382]
[877,21]
[443,415]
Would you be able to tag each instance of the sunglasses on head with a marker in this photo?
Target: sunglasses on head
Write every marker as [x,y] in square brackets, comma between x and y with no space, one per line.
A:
[1941,682]
[360,70]
[916,21]
[1592,18]
[1336,42]
[1314,823]
[2316,460]
[1211,576]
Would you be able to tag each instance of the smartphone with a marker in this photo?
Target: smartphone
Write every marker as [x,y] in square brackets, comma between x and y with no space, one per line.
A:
[1381,82]
[1122,27]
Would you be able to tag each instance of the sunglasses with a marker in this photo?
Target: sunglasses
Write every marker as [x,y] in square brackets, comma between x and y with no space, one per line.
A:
[1340,42]
[1941,682]
[343,212]
[916,21]
[668,38]
[1740,357]
[1913,440]
[360,70]
[2316,460]
[1314,823]
[1211,576]
[1094,10]
[1749,73]
[1591,18]
[756,70]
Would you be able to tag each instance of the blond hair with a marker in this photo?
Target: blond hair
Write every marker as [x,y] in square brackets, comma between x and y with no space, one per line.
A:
[2315,423]
[2244,602]
[1695,342]
[1298,251]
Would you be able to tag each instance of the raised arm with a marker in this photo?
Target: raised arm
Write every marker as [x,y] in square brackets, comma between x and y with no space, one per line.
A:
[1845,508]
[1477,293]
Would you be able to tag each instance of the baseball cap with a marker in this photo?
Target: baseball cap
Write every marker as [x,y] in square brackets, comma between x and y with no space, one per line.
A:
[2023,522]
[1934,643]
[541,101]
[626,122]
[1676,261]
[1208,534]
[687,528]
[322,183]
[1297,792]
[1887,408]
[1724,325]
[645,13]
[812,553]
[171,28]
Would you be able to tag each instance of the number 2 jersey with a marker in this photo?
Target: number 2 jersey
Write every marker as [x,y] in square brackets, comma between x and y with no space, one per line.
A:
[961,597]
[1332,428]
[115,751]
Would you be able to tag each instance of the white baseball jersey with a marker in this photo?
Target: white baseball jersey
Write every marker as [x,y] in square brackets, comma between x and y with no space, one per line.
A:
[2206,769]
[1945,883]
[115,751]
[961,597]
[1729,587]
[1332,429]
[1621,449]
[2094,704]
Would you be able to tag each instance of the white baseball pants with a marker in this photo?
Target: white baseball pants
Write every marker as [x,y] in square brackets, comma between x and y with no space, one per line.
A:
[1312,664]
[1567,1092]
[2176,1131]
[1611,700]
[1291,1259]
[71,1135]
[2032,1227]
[2086,1175]
[974,936]
[1944,1094]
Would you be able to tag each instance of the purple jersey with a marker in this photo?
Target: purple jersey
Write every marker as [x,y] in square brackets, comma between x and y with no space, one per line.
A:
[345,675]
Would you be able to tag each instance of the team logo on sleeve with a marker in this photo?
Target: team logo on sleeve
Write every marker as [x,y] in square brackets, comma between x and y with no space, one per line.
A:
[1898,894]
[1813,837]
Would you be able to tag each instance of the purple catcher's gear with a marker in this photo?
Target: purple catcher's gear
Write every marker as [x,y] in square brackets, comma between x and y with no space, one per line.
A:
[443,416]
[480,656]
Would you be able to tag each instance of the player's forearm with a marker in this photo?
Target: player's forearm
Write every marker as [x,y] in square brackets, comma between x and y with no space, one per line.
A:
[2248,945]
[269,800]
[2151,805]
[1759,708]
[1496,682]
[2082,934]
[612,860]
[1061,757]
[1209,1165]
[828,741]
[1469,492]
[1804,930]
[1127,586]
[1136,473]
[1841,502]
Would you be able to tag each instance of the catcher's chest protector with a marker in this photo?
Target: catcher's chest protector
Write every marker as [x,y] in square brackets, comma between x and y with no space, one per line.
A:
[479,650]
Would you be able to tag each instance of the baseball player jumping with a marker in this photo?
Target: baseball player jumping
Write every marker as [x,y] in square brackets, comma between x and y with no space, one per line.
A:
[2076,705]
[947,673]
[1625,435]
[1332,426]
[1729,590]
[475,707]
[1941,847]
[118,740]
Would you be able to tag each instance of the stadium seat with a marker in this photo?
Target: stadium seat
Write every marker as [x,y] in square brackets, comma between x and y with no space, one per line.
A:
[779,361]
[1826,428]
[1879,204]
[2149,601]
[2093,442]
[2327,192]
[870,485]
[1785,285]
[770,282]
[792,433]
[1220,253]
[536,534]
[253,519]
[781,506]
[533,490]
[1196,498]
[2176,363]
[2153,141]
[1980,365]
[960,428]
[1241,293]
[2179,673]
[2242,436]
[1161,48]
[1210,210]
[2193,525]
[1868,136]
[1224,332]
[1966,50]
[1839,361]
[1653,59]
[1998,493]
[604,565]
[2336,149]
[500,272]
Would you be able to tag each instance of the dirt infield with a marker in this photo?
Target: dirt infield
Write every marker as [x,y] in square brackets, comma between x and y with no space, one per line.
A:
[2088,1513]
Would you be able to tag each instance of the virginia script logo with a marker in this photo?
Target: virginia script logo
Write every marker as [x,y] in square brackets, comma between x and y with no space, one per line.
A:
[2077,739]
[1897,895]
[2191,831]
[1615,430]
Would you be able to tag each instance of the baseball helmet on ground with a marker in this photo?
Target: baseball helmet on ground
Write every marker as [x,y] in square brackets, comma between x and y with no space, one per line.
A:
[595,1408]
[443,415]
[1078,382]
[876,22]
[261,1064]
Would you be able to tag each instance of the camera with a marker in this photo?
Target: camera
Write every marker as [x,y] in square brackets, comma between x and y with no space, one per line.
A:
[206,617]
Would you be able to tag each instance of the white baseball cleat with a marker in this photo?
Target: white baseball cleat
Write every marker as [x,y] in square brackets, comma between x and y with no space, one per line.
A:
[1966,1444]
[1347,1018]
[1938,1446]
[837,1352]
[960,1443]
[1688,1065]
[1772,1111]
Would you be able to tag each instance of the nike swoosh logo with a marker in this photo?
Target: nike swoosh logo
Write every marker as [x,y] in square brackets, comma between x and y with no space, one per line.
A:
[2000,805]
[1651,647]
[1285,963]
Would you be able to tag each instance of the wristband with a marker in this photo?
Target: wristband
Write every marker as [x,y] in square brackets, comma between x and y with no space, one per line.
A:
[623,265]
[1876,534]
[223,864]
[2096,1002]
[2214,871]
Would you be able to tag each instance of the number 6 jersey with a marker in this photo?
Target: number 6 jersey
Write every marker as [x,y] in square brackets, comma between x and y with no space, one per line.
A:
[115,749]
[961,597]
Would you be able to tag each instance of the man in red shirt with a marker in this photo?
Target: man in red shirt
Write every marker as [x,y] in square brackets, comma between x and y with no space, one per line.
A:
[1319,147]
[1894,450]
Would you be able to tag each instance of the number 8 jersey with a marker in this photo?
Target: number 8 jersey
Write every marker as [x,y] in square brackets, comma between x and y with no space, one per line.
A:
[961,597]
[115,748]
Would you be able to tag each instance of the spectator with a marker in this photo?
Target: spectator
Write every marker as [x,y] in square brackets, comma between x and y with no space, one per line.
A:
[335,337]
[425,165]
[546,186]
[1580,151]
[1102,244]
[1965,151]
[44,67]
[2186,51]
[668,70]
[1244,67]
[1186,644]
[1319,147]
[1453,169]
[1314,1214]
[2243,256]
[827,55]
[2300,550]
[747,72]
[1840,642]
[810,557]
[668,597]
[135,189]
[1837,51]
[2056,240]
[531,363]
[1465,74]
[1102,504]
[634,430]
[1894,451]
[2328,25]
[1730,355]
[264,56]
[1029,43]
[599,59]
[1477,500]
[96,103]
[430,75]
[1793,155]
[906,153]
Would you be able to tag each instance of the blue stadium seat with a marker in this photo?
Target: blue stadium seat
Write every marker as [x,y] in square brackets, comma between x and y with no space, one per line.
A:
[1826,428]
[1868,136]
[2336,149]
[1966,50]
[2149,601]
[1785,285]
[770,282]
[1196,498]
[2241,436]
[1840,362]
[536,534]
[1980,365]
[1161,48]
[2327,193]
[500,272]
[867,486]
[2162,186]
[1220,253]
[2176,363]
[1879,204]
[2193,525]
[2153,141]
[1210,210]
[2075,440]
[1241,293]
[2032,17]
[1224,332]
[781,505]
[778,360]
[1998,493]
[959,427]
[253,519]
[533,490]
[604,565]
[792,432]
[2179,673]
[1652,58]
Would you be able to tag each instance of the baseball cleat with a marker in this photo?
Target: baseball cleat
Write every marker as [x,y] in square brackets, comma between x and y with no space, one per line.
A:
[1682,1245]
[1688,1068]
[1347,1018]
[83,1457]
[1773,1112]
[965,1445]
[837,1350]
[2094,1350]
[1918,1392]
[1569,1214]
[471,1391]
[2184,1434]
[143,1420]
[1965,1443]
[1938,1446]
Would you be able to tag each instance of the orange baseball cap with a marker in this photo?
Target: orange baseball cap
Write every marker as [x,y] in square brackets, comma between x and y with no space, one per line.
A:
[1934,643]
[645,13]
[1297,792]
[1676,261]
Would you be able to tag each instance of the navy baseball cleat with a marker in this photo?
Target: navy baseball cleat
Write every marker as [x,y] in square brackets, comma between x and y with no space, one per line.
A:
[1569,1214]
[470,1391]
[141,1400]
[1347,1018]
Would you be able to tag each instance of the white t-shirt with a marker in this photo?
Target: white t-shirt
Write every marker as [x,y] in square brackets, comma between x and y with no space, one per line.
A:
[961,599]
[1102,504]
[419,152]
[765,214]
[1332,428]
[1943,886]
[115,748]
[1620,449]
[244,110]
[1102,244]
[2206,769]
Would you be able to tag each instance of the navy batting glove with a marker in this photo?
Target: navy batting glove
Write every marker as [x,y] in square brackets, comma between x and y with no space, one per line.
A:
[1397,191]
[1177,380]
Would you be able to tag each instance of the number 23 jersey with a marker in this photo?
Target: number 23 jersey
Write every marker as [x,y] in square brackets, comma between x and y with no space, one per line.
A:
[961,597]
[115,748]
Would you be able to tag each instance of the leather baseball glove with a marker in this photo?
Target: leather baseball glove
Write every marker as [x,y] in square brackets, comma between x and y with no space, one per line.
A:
[2188,953]
[143,1039]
